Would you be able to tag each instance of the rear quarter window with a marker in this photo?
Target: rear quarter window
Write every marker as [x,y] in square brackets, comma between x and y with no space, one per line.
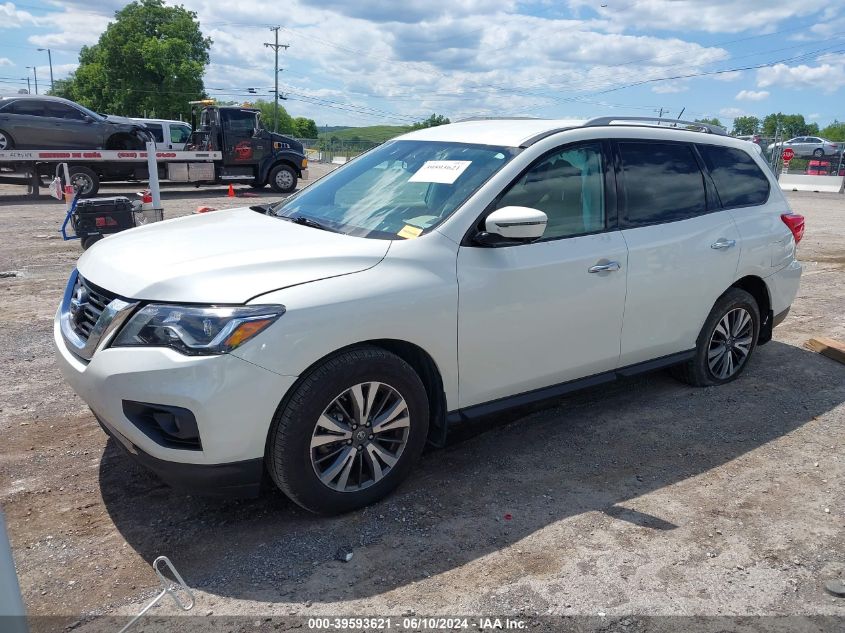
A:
[739,180]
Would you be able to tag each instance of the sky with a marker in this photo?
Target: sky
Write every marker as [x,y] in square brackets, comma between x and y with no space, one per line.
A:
[368,62]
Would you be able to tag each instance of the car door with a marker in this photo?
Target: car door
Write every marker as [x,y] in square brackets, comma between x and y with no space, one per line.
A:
[241,144]
[179,135]
[71,129]
[683,250]
[538,314]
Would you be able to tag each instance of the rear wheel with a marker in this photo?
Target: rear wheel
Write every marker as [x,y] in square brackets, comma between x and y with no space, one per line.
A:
[84,180]
[818,152]
[282,178]
[726,341]
[6,141]
[350,432]
[89,241]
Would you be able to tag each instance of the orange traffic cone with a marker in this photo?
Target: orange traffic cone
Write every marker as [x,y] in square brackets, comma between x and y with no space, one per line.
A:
[231,193]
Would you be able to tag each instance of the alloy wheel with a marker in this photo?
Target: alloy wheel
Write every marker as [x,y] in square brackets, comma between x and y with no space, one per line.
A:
[730,343]
[360,436]
[4,141]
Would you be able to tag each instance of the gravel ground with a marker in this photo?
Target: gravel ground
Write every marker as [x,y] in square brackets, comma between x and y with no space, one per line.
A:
[643,498]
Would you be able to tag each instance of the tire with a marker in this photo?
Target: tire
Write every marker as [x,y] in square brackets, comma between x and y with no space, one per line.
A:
[282,178]
[257,184]
[699,372]
[818,152]
[298,446]
[89,241]
[6,141]
[86,179]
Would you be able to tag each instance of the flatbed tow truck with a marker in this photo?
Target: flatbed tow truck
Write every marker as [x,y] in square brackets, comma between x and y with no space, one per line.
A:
[229,145]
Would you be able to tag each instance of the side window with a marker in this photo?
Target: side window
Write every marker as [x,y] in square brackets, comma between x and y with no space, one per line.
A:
[27,107]
[239,121]
[62,111]
[155,130]
[568,186]
[662,182]
[179,134]
[739,180]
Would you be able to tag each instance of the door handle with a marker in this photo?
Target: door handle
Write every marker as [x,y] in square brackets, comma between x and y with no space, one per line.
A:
[604,268]
[722,243]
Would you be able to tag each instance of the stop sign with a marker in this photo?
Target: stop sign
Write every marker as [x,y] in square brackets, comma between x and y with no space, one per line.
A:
[788,154]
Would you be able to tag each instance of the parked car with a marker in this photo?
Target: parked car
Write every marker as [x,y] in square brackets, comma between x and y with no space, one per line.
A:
[39,122]
[319,341]
[168,134]
[804,146]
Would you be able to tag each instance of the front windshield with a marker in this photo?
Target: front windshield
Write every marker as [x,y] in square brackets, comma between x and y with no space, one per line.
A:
[400,189]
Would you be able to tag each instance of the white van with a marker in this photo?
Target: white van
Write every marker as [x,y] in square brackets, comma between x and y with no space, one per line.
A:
[168,134]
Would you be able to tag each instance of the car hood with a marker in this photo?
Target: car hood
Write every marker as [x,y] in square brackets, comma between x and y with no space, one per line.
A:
[222,257]
[122,120]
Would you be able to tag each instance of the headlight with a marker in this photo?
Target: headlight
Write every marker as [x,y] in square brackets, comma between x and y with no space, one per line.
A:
[196,330]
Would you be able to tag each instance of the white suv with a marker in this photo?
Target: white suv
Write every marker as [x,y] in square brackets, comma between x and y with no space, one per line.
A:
[447,274]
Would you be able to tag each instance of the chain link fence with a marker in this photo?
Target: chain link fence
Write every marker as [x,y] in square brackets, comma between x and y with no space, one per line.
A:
[334,150]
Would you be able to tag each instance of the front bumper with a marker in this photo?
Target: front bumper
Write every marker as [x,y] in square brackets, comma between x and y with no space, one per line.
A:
[233,401]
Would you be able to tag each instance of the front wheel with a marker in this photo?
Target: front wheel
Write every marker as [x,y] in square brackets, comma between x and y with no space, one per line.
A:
[282,178]
[84,180]
[350,432]
[726,341]
[818,152]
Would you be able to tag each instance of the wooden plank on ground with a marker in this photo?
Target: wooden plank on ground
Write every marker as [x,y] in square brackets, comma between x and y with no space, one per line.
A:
[827,347]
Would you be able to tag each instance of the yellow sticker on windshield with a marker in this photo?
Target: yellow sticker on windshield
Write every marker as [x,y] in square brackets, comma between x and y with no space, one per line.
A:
[409,232]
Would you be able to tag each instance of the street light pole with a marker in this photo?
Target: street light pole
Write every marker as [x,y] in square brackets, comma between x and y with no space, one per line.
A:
[50,58]
[34,74]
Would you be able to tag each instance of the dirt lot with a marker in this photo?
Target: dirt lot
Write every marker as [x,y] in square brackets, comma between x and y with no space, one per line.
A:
[646,497]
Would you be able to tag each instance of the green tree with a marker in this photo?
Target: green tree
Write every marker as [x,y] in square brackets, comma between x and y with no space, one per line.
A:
[713,121]
[834,132]
[433,121]
[150,60]
[285,123]
[789,124]
[305,128]
[746,125]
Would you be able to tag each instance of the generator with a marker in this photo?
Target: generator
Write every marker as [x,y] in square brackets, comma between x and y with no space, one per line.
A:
[96,217]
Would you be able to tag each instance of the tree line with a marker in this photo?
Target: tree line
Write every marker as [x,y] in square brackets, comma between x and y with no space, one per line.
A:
[784,125]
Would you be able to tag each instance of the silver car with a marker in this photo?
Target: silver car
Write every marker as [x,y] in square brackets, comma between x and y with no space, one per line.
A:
[809,146]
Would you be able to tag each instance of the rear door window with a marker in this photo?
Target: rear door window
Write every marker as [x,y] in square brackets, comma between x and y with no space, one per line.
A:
[739,180]
[662,182]
[28,107]
[155,130]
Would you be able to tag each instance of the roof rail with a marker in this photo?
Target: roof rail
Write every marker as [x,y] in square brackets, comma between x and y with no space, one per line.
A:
[656,121]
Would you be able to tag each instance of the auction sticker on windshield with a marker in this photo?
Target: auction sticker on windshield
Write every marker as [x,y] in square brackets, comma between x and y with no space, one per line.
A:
[442,171]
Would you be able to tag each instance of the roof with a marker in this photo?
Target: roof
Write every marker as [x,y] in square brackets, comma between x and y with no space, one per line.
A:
[501,132]
[524,132]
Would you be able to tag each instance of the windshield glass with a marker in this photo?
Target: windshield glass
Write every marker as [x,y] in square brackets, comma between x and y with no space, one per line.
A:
[400,189]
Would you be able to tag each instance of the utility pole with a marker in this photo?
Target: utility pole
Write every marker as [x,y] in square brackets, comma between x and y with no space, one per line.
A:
[28,85]
[276,46]
[50,58]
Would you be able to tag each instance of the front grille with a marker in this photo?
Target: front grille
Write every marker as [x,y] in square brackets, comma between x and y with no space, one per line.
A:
[87,304]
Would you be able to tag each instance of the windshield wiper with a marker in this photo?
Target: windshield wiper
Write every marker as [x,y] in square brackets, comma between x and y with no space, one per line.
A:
[314,224]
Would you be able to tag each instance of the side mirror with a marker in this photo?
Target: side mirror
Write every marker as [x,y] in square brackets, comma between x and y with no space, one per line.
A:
[512,225]
[87,119]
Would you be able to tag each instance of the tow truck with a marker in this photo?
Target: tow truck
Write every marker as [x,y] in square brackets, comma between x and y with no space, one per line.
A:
[229,145]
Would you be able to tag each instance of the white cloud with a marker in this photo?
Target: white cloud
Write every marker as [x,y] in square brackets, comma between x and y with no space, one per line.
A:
[732,113]
[752,95]
[74,29]
[827,77]
[11,17]
[714,16]
[670,87]
[814,116]
[5,61]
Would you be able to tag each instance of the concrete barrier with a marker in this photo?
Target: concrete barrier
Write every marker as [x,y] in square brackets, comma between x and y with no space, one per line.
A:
[339,160]
[803,182]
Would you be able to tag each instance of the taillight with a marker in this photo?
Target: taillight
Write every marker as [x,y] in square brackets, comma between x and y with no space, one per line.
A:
[795,223]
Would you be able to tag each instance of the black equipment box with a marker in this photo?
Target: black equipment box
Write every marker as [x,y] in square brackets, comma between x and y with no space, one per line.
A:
[96,217]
